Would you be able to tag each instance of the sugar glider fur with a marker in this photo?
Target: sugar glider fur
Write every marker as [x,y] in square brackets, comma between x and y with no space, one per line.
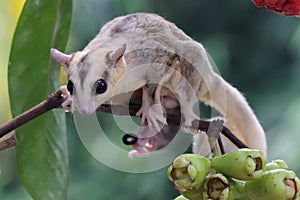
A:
[135,50]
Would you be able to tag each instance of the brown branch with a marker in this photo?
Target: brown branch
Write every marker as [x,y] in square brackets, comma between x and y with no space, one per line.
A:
[237,142]
[56,99]
[173,117]
[53,101]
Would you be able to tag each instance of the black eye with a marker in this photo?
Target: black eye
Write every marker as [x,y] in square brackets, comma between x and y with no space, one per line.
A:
[101,86]
[129,139]
[70,87]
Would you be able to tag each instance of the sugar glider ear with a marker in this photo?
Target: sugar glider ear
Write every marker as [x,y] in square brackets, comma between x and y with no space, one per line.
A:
[117,54]
[61,58]
[117,62]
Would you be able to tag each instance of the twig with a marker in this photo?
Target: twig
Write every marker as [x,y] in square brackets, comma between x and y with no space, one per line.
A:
[237,142]
[221,146]
[53,101]
[173,117]
[56,99]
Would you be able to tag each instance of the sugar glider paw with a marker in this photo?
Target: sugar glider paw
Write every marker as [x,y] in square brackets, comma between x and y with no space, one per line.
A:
[141,145]
[143,112]
[187,124]
[136,153]
[67,104]
[153,115]
[156,117]
[189,118]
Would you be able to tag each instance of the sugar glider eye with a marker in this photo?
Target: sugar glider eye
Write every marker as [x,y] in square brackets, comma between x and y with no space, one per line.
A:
[70,87]
[130,139]
[101,86]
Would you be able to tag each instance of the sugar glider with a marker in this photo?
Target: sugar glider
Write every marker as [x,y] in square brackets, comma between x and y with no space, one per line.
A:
[134,50]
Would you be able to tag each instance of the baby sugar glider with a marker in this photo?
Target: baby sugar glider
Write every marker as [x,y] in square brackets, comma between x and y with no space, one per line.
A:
[147,139]
[134,50]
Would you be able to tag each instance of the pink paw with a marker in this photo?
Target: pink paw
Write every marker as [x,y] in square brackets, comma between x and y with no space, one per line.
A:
[135,153]
[153,115]
[67,104]
[143,111]
[142,145]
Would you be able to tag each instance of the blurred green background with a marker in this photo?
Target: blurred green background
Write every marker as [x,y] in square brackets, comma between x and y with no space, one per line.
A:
[255,50]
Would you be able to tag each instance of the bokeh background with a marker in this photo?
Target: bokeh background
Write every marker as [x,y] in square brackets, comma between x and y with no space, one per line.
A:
[255,50]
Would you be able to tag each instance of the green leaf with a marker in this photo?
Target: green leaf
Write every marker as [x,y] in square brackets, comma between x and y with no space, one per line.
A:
[42,154]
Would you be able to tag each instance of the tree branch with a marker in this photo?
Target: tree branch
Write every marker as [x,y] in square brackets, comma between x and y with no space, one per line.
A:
[53,101]
[173,117]
[56,99]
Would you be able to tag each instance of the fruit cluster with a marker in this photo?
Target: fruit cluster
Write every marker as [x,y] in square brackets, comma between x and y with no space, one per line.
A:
[238,175]
[283,7]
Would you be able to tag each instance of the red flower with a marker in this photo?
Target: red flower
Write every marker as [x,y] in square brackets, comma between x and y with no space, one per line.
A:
[284,7]
[259,3]
[292,8]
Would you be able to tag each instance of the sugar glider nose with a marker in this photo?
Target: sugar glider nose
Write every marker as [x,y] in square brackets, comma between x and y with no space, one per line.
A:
[84,110]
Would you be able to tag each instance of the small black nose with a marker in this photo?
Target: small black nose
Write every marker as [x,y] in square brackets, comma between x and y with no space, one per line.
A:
[129,139]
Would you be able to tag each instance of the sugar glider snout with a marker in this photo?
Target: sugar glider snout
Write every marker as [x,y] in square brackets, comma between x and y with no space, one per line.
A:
[84,110]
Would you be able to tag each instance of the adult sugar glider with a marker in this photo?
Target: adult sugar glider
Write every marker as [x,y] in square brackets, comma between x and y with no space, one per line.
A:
[134,50]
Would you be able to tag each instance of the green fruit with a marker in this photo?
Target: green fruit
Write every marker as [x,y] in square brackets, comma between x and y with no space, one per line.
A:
[276,164]
[237,190]
[277,184]
[243,164]
[181,198]
[188,171]
[193,194]
[216,187]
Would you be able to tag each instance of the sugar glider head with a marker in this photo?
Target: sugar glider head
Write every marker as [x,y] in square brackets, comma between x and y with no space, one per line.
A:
[92,75]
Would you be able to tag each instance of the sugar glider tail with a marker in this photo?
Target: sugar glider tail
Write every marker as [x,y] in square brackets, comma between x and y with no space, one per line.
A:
[240,118]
